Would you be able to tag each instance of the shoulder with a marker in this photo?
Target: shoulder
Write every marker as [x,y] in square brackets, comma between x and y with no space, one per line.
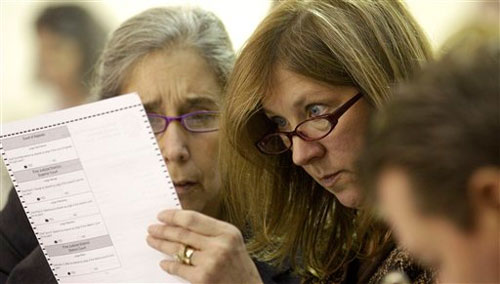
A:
[399,260]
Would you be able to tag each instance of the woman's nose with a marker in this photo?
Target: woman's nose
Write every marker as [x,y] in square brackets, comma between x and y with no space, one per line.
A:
[304,152]
[174,143]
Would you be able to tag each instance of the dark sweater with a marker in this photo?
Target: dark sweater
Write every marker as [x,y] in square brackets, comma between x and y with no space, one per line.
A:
[22,259]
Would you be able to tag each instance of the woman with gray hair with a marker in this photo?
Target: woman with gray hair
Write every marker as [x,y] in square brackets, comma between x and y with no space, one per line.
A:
[178,61]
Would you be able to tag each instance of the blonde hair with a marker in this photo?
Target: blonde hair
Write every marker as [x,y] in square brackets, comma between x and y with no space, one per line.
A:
[370,45]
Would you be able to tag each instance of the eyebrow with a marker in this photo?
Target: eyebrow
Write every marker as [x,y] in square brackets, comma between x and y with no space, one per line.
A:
[297,104]
[151,106]
[187,105]
[317,94]
[301,101]
[197,102]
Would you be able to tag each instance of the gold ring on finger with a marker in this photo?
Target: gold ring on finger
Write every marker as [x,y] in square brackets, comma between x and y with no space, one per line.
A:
[184,256]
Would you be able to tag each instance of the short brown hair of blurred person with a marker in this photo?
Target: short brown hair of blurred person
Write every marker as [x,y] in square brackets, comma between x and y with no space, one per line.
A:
[438,144]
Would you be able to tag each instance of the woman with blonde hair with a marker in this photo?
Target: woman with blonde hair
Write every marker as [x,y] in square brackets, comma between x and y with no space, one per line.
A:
[297,105]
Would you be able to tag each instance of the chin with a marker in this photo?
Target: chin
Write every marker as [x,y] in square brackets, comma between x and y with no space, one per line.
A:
[349,196]
[187,204]
[350,203]
[194,205]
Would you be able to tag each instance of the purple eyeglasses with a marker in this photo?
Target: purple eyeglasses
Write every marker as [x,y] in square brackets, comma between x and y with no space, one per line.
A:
[196,122]
[312,129]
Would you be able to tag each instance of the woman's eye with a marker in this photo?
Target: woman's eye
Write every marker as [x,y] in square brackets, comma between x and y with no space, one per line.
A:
[280,122]
[315,110]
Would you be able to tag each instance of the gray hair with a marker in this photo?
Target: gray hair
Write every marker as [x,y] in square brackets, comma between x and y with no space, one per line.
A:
[157,29]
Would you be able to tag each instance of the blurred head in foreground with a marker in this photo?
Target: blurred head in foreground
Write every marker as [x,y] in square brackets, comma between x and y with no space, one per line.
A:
[432,163]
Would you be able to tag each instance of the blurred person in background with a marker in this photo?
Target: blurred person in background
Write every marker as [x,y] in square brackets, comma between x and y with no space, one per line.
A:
[481,23]
[432,161]
[69,43]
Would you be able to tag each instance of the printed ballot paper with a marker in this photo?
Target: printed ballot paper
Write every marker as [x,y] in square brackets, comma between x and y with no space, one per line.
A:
[91,179]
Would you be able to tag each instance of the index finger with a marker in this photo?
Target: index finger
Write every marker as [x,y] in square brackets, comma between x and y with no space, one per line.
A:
[193,221]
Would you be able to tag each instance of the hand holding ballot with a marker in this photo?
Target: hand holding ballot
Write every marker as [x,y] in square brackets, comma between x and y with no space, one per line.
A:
[219,254]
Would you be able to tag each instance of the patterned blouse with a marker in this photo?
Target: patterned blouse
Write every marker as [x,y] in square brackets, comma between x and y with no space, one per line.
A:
[393,265]
[399,267]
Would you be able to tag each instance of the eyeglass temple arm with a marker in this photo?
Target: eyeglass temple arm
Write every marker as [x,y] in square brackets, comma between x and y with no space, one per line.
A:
[346,106]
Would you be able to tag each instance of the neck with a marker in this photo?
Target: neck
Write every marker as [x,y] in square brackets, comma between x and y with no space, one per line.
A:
[474,261]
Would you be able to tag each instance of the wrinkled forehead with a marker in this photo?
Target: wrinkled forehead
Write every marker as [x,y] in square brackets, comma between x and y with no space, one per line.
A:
[174,79]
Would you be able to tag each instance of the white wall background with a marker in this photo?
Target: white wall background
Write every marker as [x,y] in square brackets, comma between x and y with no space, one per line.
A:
[21,96]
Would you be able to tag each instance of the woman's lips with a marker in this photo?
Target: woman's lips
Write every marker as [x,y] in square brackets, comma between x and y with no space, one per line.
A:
[184,187]
[329,181]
